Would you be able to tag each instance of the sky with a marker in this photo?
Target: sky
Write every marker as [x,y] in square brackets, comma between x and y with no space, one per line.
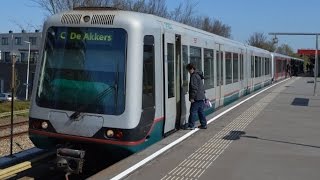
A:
[244,16]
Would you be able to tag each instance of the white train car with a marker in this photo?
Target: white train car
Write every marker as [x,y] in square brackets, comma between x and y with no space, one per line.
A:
[117,79]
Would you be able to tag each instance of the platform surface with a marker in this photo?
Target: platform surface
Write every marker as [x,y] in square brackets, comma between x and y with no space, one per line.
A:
[273,136]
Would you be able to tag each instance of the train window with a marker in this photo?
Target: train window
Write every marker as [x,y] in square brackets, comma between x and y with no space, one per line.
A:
[185,61]
[208,69]
[241,67]
[260,64]
[219,55]
[195,57]
[266,66]
[252,66]
[235,67]
[170,59]
[263,66]
[228,68]
[148,94]
[256,66]
[218,68]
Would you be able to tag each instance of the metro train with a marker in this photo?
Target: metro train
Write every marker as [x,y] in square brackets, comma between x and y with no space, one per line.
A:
[117,79]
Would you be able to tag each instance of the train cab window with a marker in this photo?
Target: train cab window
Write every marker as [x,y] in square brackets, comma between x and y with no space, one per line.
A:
[170,59]
[228,67]
[241,67]
[208,69]
[195,57]
[185,60]
[235,67]
[148,94]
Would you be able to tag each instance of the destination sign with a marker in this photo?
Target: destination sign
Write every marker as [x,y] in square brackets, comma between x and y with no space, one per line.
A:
[87,36]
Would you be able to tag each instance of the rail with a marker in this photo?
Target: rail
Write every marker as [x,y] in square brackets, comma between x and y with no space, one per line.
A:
[17,124]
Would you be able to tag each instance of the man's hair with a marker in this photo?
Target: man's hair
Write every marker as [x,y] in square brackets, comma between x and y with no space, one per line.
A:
[190,66]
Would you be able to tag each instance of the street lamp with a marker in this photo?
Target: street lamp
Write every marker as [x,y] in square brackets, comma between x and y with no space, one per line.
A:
[27,84]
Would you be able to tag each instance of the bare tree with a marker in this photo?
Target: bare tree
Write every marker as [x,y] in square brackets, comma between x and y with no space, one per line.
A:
[260,40]
[184,13]
[221,29]
[56,6]
[286,50]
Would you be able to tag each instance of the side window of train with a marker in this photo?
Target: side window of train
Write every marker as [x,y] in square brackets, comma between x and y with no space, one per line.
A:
[252,66]
[184,70]
[228,67]
[195,57]
[235,67]
[267,66]
[241,67]
[219,55]
[170,58]
[208,69]
[148,94]
[256,66]
[260,66]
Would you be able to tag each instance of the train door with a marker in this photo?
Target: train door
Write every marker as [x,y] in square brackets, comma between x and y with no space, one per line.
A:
[172,80]
[220,73]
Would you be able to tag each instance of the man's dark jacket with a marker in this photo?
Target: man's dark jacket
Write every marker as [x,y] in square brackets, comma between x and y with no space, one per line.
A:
[196,88]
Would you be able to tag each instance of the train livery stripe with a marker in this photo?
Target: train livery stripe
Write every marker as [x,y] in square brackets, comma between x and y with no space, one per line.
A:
[229,94]
[100,141]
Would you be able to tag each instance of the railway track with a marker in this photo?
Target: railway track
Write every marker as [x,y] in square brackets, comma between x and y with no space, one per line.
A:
[15,125]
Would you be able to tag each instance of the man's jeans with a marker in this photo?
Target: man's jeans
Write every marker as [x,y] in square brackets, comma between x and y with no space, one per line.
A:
[197,108]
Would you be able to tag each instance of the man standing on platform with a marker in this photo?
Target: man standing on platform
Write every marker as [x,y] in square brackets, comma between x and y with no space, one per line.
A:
[196,97]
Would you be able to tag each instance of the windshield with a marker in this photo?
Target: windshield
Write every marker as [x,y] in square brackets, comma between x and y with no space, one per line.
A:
[80,63]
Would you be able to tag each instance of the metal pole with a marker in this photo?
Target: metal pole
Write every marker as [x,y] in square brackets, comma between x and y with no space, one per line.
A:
[316,67]
[27,85]
[12,100]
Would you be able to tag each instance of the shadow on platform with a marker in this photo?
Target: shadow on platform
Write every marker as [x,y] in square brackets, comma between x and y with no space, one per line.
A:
[236,135]
[279,141]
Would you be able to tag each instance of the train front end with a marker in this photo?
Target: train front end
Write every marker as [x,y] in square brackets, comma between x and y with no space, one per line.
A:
[88,84]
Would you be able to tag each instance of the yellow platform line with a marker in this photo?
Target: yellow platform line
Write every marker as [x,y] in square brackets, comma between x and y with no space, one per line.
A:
[13,170]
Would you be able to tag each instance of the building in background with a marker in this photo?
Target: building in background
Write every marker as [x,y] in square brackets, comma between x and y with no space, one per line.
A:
[310,53]
[18,42]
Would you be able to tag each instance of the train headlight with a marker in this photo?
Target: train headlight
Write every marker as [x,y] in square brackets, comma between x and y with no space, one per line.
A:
[44,125]
[109,133]
[86,18]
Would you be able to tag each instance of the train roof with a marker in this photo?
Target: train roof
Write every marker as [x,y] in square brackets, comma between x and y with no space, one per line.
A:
[147,18]
[285,56]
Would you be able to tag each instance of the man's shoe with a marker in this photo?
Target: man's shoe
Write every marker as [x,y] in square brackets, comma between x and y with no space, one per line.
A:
[190,128]
[202,127]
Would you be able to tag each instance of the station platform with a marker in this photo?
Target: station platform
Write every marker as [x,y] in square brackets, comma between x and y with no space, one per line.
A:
[274,135]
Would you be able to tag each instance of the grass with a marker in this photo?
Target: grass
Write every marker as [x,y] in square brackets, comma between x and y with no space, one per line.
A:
[18,105]
[26,115]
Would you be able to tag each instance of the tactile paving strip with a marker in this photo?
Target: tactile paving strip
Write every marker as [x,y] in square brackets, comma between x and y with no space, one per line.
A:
[199,161]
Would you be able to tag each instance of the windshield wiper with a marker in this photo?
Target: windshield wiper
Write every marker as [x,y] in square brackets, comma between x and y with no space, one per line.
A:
[82,108]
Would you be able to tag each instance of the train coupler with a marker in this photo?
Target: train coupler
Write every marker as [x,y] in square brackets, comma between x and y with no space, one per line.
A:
[70,160]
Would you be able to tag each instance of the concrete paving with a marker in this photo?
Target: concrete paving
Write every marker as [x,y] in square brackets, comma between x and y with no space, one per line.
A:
[273,136]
